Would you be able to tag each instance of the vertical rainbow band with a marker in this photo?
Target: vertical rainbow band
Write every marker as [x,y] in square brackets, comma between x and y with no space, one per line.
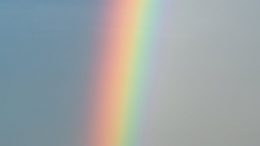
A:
[121,75]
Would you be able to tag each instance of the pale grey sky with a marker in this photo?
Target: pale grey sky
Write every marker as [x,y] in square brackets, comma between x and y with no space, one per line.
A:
[206,85]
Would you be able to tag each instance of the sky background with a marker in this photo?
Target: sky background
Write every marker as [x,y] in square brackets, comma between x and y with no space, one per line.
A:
[205,76]
[45,50]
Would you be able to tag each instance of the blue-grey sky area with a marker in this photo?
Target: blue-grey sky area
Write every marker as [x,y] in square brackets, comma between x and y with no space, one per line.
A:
[45,50]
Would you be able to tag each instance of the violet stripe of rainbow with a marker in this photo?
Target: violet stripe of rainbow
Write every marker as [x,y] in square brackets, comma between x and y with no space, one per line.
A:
[121,77]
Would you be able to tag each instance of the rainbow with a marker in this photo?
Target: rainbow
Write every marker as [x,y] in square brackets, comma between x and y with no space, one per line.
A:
[121,72]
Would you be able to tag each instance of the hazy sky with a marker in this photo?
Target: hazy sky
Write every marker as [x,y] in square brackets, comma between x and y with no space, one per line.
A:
[205,85]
